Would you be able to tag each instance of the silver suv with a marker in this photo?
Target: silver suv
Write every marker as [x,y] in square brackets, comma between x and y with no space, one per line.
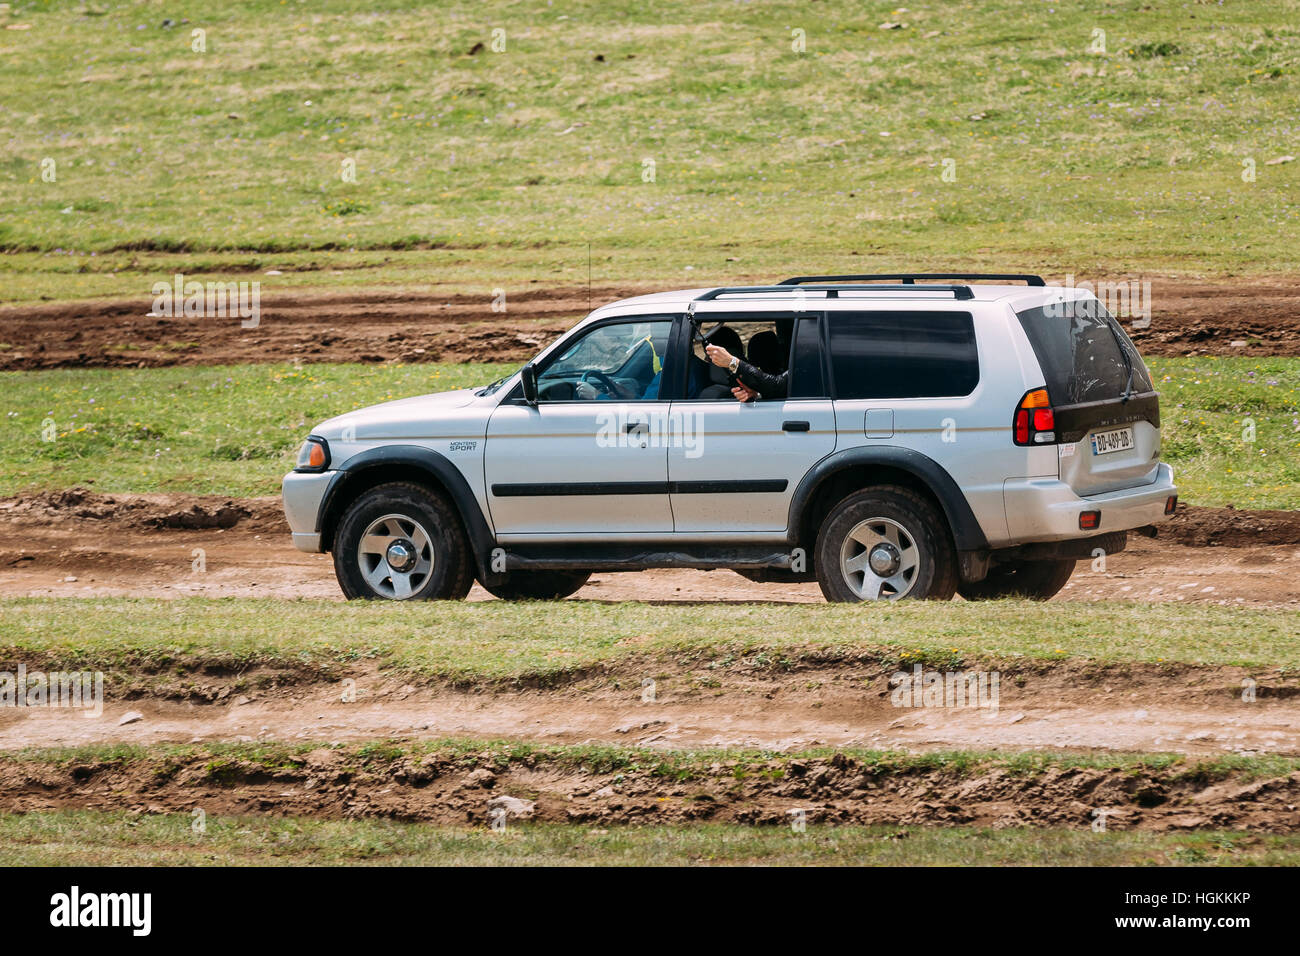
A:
[914,439]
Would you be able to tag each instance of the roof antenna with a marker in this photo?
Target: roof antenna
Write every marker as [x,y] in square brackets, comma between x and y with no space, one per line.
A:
[588,275]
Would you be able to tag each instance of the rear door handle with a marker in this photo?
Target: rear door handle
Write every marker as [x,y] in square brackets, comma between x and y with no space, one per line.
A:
[795,426]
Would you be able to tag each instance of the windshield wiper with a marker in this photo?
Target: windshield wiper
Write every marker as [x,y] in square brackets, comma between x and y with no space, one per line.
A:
[492,386]
[1128,359]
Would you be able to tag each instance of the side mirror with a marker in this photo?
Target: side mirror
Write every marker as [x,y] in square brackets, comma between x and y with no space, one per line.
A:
[528,378]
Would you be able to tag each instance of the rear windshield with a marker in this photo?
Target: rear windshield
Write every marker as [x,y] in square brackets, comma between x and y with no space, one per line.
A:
[1081,349]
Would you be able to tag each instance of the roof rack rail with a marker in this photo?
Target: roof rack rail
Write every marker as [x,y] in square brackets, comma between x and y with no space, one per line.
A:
[833,290]
[909,278]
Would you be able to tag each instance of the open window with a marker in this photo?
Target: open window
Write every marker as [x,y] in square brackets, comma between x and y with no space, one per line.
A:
[762,341]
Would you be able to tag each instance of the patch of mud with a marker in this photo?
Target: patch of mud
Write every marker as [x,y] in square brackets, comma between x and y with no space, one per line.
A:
[80,543]
[145,511]
[457,787]
[376,326]
[1228,527]
[1257,316]
[814,699]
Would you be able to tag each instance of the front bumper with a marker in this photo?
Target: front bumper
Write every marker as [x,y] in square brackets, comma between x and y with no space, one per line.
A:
[1047,509]
[302,493]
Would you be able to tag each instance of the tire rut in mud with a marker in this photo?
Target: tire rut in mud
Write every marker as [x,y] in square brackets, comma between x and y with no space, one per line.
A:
[1240,317]
[458,785]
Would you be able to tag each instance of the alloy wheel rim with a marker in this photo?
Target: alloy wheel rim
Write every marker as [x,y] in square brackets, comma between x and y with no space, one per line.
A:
[880,560]
[395,555]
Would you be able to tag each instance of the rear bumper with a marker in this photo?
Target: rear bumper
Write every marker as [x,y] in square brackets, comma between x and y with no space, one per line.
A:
[302,493]
[1047,509]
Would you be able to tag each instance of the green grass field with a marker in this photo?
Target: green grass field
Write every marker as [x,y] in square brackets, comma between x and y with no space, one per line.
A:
[89,838]
[234,430]
[155,640]
[474,145]
[670,138]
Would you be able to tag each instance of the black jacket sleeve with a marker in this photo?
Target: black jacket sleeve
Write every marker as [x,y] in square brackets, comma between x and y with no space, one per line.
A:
[766,384]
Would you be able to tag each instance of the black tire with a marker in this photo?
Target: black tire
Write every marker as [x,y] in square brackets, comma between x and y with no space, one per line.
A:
[538,585]
[1035,580]
[904,520]
[439,543]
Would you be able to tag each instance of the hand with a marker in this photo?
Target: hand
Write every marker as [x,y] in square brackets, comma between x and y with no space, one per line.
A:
[718,355]
[744,393]
[585,391]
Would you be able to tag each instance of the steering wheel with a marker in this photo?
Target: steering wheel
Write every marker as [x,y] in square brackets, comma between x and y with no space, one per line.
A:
[603,381]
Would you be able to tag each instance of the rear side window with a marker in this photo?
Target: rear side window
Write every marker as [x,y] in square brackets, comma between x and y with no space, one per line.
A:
[1081,350]
[903,354]
[806,379]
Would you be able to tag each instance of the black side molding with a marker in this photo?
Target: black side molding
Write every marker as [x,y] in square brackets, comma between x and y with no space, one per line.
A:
[557,489]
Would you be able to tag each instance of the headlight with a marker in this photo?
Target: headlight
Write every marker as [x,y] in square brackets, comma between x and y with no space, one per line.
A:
[313,456]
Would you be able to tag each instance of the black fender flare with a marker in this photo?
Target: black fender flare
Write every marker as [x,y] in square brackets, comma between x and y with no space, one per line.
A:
[966,531]
[438,467]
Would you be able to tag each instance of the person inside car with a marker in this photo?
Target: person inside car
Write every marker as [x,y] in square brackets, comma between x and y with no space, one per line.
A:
[706,380]
[751,382]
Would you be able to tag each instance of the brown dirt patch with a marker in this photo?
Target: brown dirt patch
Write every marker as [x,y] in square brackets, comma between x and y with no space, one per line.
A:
[1189,317]
[143,546]
[448,787]
[813,700]
[1228,527]
[145,511]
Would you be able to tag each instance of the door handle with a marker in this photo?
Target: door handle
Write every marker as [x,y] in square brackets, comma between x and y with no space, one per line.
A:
[636,427]
[795,426]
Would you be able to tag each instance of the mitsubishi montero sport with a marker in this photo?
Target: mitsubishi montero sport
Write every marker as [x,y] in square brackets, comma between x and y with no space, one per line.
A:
[937,435]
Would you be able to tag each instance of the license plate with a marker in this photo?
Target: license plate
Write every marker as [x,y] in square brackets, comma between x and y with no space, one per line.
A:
[1118,439]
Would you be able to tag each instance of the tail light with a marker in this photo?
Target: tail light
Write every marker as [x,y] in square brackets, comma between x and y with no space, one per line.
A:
[1034,423]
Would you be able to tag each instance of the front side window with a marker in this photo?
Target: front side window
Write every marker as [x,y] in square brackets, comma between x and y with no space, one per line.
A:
[762,341]
[621,361]
[903,354]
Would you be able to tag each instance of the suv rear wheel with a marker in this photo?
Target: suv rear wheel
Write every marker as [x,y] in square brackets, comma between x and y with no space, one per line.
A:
[1036,580]
[401,541]
[538,585]
[885,543]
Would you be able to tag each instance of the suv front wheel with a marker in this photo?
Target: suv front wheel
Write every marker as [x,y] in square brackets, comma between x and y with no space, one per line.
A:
[885,543]
[400,541]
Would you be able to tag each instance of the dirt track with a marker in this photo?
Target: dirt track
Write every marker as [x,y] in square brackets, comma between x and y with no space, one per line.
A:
[1188,318]
[1057,706]
[448,787]
[79,543]
[143,546]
